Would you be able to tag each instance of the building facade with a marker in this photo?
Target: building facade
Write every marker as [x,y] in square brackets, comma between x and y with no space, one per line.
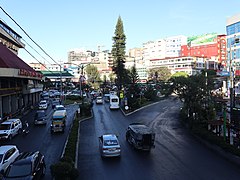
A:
[188,64]
[20,85]
[214,46]
[233,45]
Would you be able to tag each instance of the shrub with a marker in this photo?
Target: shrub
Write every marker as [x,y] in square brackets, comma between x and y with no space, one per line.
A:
[64,170]
[86,108]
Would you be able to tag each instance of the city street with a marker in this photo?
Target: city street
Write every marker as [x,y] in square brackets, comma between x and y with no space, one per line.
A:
[177,155]
[41,139]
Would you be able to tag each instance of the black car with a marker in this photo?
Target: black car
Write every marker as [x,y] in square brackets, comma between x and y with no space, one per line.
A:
[40,117]
[28,165]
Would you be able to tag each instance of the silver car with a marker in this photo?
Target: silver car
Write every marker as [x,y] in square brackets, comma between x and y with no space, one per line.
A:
[109,145]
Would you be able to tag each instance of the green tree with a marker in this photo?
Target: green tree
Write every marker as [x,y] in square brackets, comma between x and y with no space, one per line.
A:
[92,74]
[134,75]
[118,52]
[194,91]
[111,77]
[177,74]
[160,74]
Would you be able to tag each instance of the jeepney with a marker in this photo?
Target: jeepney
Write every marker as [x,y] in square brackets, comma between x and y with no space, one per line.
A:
[58,121]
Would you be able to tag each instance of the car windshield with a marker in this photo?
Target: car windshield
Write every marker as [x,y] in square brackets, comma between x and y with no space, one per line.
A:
[19,170]
[5,126]
[40,114]
[110,142]
[42,102]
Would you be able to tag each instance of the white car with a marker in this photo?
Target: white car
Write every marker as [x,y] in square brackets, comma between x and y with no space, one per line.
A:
[10,128]
[8,153]
[109,145]
[99,100]
[59,107]
[43,104]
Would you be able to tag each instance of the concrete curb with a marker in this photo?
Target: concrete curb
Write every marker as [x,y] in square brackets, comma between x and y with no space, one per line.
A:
[127,114]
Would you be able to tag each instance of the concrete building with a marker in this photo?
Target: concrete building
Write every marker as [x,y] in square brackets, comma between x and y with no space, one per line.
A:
[20,85]
[188,64]
[10,38]
[212,46]
[233,45]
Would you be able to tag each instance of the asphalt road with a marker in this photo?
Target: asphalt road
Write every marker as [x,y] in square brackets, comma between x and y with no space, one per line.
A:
[177,155]
[41,139]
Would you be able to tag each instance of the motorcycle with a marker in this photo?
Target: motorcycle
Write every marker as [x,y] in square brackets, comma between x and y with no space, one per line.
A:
[25,129]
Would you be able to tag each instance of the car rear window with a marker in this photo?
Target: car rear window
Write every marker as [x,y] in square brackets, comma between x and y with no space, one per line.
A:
[114,100]
[110,142]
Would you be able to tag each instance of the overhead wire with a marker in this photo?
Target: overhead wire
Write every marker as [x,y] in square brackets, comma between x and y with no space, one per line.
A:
[31,46]
[29,36]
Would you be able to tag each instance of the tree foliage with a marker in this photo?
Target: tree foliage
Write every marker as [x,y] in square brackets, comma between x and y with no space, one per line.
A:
[194,91]
[178,74]
[92,74]
[160,74]
[118,52]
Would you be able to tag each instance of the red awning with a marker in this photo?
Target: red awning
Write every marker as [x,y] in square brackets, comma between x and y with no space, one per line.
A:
[10,60]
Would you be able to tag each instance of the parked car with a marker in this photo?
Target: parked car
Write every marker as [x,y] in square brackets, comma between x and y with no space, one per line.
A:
[43,104]
[8,153]
[109,145]
[10,128]
[140,136]
[40,117]
[28,165]
[99,100]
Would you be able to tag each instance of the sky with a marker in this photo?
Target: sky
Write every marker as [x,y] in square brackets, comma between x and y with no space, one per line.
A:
[59,26]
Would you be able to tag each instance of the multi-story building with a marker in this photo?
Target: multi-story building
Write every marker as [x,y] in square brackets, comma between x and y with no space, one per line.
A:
[10,38]
[188,64]
[209,45]
[162,48]
[173,45]
[38,66]
[20,85]
[233,45]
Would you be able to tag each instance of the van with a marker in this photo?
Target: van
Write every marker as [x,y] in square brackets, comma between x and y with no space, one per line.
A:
[114,102]
[140,136]
[58,121]
[10,128]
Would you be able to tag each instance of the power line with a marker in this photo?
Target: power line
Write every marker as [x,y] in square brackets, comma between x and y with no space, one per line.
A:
[29,36]
[31,46]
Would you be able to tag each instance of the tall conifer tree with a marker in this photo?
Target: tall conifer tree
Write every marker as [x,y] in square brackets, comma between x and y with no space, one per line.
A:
[118,53]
